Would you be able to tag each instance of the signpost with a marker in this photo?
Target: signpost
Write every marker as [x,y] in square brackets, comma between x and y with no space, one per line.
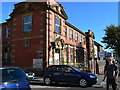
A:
[37,63]
[101,54]
[105,54]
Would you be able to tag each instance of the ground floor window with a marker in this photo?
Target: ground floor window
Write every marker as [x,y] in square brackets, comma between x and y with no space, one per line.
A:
[6,55]
[71,56]
[66,56]
[79,55]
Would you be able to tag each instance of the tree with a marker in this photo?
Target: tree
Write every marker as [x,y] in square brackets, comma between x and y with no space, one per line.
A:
[112,38]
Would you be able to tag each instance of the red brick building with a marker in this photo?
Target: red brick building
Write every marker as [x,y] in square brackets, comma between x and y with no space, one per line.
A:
[37,35]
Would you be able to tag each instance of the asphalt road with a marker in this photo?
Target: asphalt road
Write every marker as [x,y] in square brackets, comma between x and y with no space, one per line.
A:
[38,84]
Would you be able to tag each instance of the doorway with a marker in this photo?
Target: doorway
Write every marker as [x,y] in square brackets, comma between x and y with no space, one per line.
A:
[57,57]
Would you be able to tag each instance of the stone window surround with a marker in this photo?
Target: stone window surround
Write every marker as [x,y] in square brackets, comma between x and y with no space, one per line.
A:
[28,14]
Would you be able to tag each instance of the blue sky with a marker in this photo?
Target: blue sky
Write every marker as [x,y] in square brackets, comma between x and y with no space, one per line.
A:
[92,15]
[84,15]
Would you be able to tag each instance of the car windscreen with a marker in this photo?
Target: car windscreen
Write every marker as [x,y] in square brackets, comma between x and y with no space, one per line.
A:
[12,74]
[75,69]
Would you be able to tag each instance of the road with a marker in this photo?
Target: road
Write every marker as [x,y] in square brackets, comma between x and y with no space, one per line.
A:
[38,84]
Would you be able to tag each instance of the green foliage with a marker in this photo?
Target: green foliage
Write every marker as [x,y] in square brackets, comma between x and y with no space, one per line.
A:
[112,38]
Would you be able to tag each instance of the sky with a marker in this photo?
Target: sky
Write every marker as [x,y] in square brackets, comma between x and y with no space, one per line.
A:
[85,15]
[93,16]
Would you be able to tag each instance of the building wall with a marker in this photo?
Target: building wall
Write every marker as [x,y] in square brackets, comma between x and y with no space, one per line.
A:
[98,48]
[90,50]
[6,43]
[42,41]
[20,55]
[101,50]
[96,51]
[65,53]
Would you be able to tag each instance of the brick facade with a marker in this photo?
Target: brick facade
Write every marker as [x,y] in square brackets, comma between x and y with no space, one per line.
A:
[69,45]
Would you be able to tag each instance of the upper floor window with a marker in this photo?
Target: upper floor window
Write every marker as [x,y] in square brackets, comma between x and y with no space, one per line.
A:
[81,38]
[92,43]
[71,34]
[71,55]
[76,36]
[57,25]
[27,23]
[65,31]
[6,32]
[84,41]
[56,7]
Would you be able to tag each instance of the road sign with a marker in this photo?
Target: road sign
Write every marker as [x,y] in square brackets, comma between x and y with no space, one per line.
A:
[101,54]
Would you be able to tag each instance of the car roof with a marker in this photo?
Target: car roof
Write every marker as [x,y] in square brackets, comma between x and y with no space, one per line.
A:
[58,65]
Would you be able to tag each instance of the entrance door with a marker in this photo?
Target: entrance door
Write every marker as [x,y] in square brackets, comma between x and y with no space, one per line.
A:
[57,57]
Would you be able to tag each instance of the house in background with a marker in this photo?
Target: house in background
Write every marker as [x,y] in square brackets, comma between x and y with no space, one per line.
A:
[99,62]
[98,48]
[37,35]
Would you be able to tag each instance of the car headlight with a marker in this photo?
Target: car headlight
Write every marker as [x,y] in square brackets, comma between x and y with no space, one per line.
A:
[33,74]
[26,74]
[5,83]
[92,76]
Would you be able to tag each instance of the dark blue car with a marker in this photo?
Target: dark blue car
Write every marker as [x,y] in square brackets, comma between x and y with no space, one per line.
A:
[13,78]
[68,74]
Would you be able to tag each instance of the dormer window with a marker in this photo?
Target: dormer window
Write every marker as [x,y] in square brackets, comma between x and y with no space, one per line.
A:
[57,25]
[27,23]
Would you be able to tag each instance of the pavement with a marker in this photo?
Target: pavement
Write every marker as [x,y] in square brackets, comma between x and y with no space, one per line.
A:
[100,78]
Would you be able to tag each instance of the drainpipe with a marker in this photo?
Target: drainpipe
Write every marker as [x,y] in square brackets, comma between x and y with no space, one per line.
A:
[47,27]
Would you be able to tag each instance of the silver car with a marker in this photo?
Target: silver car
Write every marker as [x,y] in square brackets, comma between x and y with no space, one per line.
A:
[30,75]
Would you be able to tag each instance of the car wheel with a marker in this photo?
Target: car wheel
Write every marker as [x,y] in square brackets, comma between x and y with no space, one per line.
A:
[47,81]
[83,82]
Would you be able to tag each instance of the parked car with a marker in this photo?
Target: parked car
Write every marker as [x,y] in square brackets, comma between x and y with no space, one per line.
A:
[13,78]
[68,74]
[30,75]
[82,67]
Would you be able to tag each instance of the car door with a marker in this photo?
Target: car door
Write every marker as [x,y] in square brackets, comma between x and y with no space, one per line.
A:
[70,75]
[57,74]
